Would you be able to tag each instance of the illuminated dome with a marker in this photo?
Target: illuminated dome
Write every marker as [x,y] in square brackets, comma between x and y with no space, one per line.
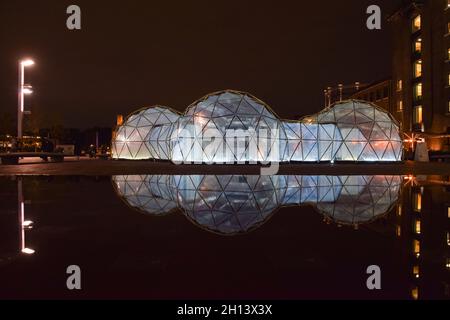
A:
[145,134]
[367,132]
[216,115]
[236,127]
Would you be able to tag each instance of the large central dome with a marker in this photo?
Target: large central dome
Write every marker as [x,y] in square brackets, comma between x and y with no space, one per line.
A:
[218,115]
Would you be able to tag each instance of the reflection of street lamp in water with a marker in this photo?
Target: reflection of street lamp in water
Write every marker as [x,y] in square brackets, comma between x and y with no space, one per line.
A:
[23,224]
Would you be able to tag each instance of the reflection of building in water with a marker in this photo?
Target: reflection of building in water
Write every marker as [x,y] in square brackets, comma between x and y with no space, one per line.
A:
[422,225]
[230,204]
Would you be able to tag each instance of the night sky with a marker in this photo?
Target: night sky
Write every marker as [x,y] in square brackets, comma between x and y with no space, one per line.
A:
[131,54]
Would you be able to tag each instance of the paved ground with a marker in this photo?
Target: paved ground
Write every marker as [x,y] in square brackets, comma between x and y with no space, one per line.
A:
[86,166]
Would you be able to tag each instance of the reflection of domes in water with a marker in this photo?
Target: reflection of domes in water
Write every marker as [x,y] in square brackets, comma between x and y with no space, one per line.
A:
[362,199]
[230,204]
[145,193]
[227,203]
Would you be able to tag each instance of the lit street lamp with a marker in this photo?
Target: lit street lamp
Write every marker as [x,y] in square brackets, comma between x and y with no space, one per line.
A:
[22,90]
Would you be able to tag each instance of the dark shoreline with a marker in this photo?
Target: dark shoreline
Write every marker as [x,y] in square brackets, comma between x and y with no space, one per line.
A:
[124,167]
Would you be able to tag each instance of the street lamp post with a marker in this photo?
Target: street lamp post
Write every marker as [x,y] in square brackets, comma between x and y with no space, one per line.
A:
[22,90]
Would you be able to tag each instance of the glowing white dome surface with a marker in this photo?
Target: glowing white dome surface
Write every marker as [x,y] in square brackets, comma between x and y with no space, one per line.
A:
[145,134]
[236,127]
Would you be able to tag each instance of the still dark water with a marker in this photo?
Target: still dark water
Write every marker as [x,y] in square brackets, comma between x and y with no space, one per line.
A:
[225,236]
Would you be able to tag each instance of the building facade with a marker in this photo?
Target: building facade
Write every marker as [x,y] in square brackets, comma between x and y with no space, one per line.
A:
[379,93]
[420,70]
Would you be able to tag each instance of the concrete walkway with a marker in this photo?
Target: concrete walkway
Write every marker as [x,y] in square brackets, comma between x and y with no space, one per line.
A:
[96,167]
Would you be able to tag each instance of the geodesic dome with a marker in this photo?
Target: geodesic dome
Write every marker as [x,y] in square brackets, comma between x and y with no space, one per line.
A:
[232,126]
[366,132]
[145,134]
[224,113]
[308,141]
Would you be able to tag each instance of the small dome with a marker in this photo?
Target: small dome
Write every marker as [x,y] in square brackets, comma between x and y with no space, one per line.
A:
[145,134]
[368,133]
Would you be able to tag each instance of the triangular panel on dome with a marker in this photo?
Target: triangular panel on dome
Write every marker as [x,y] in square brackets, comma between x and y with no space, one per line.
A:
[368,154]
[247,108]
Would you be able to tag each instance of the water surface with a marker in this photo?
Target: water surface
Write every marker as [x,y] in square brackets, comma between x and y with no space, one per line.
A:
[225,236]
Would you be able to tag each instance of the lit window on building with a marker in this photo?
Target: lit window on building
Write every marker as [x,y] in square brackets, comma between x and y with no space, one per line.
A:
[415,293]
[417,201]
[418,119]
[416,271]
[448,80]
[417,226]
[448,27]
[400,84]
[418,45]
[448,3]
[448,54]
[417,68]
[398,231]
[448,238]
[448,212]
[119,120]
[418,91]
[416,23]
[447,263]
[400,105]
[416,247]
[399,210]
